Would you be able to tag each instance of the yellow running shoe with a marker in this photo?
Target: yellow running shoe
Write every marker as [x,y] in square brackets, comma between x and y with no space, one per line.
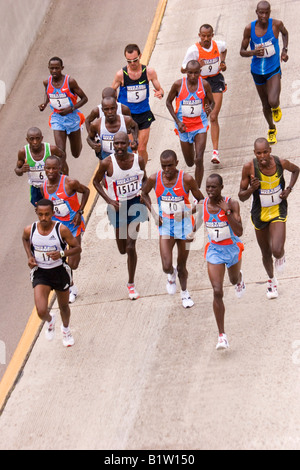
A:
[272,136]
[277,114]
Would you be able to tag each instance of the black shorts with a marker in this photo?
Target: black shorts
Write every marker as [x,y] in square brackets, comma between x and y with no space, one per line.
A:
[262,79]
[59,278]
[217,83]
[143,120]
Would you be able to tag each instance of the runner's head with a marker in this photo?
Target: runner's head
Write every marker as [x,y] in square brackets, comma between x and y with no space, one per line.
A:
[206,34]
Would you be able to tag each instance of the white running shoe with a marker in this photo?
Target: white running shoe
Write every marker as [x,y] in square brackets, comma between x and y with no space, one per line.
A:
[73,292]
[222,342]
[50,329]
[68,339]
[187,302]
[171,284]
[272,292]
[132,292]
[215,157]
[240,288]
[280,264]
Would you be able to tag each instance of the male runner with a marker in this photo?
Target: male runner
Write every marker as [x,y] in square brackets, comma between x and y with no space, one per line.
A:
[133,81]
[45,243]
[31,160]
[263,179]
[102,131]
[221,216]
[172,188]
[194,101]
[211,55]
[263,37]
[124,174]
[62,191]
[62,92]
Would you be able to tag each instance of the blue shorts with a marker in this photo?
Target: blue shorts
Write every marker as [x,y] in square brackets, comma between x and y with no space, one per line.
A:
[224,254]
[69,123]
[35,195]
[75,230]
[190,136]
[130,211]
[176,229]
[262,79]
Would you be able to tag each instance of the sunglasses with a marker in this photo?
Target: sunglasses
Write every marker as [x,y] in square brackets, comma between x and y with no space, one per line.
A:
[133,60]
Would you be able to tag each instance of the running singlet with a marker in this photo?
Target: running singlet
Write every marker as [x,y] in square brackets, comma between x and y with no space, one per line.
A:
[266,201]
[135,93]
[107,137]
[65,207]
[189,107]
[36,174]
[42,245]
[173,200]
[123,185]
[271,58]
[60,98]
[217,226]
[211,58]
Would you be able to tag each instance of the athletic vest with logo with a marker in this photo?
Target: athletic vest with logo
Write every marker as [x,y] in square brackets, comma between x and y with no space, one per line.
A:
[43,245]
[172,200]
[135,93]
[211,58]
[60,98]
[217,226]
[189,107]
[271,58]
[65,206]
[123,185]
[36,174]
[107,137]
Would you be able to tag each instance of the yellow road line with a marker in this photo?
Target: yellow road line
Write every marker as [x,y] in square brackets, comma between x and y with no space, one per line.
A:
[34,324]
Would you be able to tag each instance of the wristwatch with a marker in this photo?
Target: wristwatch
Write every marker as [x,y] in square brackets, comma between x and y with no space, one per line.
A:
[80,211]
[228,212]
[62,254]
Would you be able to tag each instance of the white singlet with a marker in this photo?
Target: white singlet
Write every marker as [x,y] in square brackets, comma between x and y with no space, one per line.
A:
[42,245]
[124,184]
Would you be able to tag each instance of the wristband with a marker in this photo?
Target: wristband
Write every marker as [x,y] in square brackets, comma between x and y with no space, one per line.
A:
[288,187]
[80,211]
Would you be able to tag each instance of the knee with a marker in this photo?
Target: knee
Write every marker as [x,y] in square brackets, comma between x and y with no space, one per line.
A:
[182,271]
[199,158]
[213,118]
[218,291]
[278,251]
[130,248]
[42,312]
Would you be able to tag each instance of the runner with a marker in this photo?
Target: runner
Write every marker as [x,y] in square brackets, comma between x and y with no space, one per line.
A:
[31,160]
[263,179]
[211,55]
[133,81]
[221,216]
[194,101]
[263,37]
[45,243]
[62,92]
[62,191]
[101,132]
[172,188]
[124,173]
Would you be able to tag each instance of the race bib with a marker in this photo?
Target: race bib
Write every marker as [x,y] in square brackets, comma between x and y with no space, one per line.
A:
[171,205]
[59,101]
[211,67]
[270,197]
[191,108]
[107,143]
[269,49]
[36,176]
[218,231]
[127,188]
[60,208]
[136,93]
[41,254]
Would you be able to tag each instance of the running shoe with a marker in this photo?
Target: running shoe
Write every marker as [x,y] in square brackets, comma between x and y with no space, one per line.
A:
[240,288]
[187,302]
[73,292]
[171,283]
[280,264]
[272,136]
[277,114]
[272,292]
[215,157]
[132,292]
[50,329]
[222,342]
[68,339]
